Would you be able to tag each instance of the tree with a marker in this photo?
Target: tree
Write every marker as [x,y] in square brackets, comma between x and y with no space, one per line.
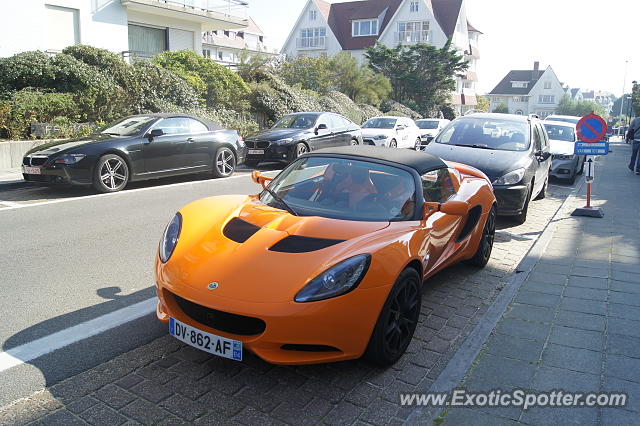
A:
[308,73]
[568,106]
[483,103]
[419,73]
[635,98]
[501,108]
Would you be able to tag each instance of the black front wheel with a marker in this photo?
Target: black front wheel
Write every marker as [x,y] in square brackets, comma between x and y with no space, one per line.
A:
[483,254]
[397,321]
[418,145]
[354,142]
[111,174]
[225,163]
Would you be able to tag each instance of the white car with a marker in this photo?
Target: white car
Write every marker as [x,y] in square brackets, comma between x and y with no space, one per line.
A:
[429,129]
[564,118]
[565,164]
[393,132]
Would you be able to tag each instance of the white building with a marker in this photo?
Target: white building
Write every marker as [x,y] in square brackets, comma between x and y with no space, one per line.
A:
[133,28]
[329,28]
[226,46]
[527,92]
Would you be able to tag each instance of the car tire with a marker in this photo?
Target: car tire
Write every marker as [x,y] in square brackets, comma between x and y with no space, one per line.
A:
[397,320]
[483,254]
[354,142]
[299,149]
[572,179]
[418,145]
[543,192]
[224,163]
[581,171]
[111,174]
[251,163]
[393,144]
[522,217]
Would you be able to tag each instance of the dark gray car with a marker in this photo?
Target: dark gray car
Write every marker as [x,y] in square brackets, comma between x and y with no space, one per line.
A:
[512,150]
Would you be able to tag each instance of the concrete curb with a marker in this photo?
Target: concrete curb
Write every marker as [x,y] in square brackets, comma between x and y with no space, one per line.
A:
[463,358]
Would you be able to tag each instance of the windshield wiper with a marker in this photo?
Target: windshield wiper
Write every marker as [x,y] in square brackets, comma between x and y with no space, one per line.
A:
[112,134]
[281,201]
[475,146]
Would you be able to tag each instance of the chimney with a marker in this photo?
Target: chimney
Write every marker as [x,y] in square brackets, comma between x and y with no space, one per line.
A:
[536,69]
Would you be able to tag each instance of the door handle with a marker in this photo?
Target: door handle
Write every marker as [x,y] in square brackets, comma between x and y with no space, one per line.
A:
[191,140]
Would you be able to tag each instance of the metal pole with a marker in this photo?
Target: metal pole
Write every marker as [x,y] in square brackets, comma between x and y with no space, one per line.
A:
[589,195]
[624,85]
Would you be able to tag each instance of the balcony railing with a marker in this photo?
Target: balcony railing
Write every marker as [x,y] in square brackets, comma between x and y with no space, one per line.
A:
[413,37]
[235,8]
[311,42]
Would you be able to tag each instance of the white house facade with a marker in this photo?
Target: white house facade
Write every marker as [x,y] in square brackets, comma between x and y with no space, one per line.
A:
[527,92]
[329,28]
[133,28]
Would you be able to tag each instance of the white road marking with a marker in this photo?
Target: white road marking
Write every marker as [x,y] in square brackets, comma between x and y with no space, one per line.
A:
[14,205]
[45,345]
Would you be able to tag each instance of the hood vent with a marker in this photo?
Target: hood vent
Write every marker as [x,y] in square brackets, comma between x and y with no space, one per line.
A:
[298,244]
[239,230]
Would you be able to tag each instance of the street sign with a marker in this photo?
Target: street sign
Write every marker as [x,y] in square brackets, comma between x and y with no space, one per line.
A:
[591,128]
[591,148]
[589,169]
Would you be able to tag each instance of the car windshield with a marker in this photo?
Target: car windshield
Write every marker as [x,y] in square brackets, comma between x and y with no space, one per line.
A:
[560,133]
[379,123]
[564,119]
[298,121]
[129,126]
[487,133]
[427,124]
[340,188]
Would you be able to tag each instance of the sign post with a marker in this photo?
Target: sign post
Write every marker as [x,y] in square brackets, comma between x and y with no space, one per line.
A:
[591,141]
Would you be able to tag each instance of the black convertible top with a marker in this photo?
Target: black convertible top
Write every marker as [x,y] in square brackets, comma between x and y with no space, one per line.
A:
[210,124]
[419,161]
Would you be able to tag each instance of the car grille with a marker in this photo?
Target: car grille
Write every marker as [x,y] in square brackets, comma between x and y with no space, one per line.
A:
[262,145]
[34,161]
[223,321]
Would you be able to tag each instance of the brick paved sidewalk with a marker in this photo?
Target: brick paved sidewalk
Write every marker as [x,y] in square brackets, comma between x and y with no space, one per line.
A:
[166,382]
[575,322]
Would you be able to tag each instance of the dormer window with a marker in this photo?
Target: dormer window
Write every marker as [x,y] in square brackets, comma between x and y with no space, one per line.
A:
[520,84]
[364,27]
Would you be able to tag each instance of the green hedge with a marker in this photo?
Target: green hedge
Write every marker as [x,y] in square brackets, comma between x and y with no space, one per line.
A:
[391,107]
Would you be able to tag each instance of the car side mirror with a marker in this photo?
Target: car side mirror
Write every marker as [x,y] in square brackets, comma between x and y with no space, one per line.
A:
[257,177]
[455,208]
[321,126]
[542,155]
[155,133]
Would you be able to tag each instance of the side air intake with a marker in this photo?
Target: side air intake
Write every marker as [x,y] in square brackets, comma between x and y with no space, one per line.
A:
[298,244]
[239,230]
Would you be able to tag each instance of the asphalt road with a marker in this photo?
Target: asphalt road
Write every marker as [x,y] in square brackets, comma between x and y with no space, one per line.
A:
[71,256]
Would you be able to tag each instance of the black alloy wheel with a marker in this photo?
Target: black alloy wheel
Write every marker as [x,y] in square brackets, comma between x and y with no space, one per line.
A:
[225,163]
[397,321]
[483,254]
[299,149]
[111,174]
[393,144]
[353,142]
[418,144]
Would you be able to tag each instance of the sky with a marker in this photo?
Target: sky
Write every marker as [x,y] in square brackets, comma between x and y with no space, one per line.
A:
[586,42]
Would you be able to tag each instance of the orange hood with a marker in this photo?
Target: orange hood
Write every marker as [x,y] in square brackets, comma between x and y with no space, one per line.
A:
[251,270]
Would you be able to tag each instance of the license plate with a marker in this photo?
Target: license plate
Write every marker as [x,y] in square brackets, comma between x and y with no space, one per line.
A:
[30,170]
[256,151]
[216,345]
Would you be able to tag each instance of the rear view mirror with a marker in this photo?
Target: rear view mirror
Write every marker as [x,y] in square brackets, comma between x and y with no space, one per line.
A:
[257,177]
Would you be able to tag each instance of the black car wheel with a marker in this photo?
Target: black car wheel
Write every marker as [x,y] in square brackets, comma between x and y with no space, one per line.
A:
[225,163]
[543,192]
[393,144]
[418,144]
[300,149]
[353,142]
[111,174]
[522,217]
[397,321]
[482,255]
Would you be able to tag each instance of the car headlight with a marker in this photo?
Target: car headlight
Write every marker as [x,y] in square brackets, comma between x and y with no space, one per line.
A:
[562,157]
[510,178]
[170,238]
[380,137]
[69,158]
[337,280]
[287,140]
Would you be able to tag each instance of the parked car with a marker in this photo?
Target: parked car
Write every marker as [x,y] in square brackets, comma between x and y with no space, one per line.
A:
[429,129]
[512,150]
[564,118]
[299,133]
[137,148]
[327,262]
[393,132]
[565,164]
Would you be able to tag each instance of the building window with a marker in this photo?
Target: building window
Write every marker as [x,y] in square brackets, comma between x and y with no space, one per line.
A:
[547,85]
[145,42]
[520,84]
[413,32]
[414,6]
[63,27]
[313,14]
[312,38]
[368,27]
[519,99]
[232,35]
[467,84]
[546,99]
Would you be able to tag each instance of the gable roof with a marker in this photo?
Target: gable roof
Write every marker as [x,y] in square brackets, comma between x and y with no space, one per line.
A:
[574,92]
[505,86]
[447,13]
[472,28]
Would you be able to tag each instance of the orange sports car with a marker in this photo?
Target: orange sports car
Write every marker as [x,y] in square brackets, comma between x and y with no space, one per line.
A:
[327,262]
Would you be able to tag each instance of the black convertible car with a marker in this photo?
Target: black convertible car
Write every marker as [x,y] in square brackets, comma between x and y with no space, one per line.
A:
[138,147]
[296,134]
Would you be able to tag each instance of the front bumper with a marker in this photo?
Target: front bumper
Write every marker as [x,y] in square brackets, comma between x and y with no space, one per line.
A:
[426,140]
[563,169]
[75,174]
[270,152]
[375,142]
[511,199]
[344,323]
